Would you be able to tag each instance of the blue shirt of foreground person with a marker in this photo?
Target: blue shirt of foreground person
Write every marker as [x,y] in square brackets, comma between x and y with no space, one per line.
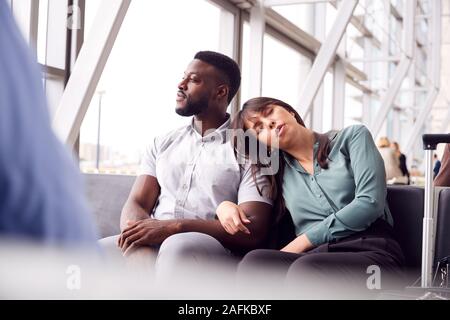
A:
[40,195]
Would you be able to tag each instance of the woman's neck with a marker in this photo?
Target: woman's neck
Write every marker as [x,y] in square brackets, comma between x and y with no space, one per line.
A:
[303,147]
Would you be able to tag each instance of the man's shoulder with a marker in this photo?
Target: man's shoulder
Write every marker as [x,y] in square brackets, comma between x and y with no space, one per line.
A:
[169,136]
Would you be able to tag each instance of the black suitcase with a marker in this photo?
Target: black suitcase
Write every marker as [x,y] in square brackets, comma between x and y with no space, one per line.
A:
[433,286]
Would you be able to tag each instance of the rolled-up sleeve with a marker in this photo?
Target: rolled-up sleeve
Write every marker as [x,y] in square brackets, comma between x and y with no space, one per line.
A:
[370,192]
[248,190]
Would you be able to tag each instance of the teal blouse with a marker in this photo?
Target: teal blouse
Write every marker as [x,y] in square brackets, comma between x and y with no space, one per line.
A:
[345,198]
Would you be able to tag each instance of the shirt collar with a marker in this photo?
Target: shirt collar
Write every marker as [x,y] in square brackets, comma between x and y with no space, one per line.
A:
[212,136]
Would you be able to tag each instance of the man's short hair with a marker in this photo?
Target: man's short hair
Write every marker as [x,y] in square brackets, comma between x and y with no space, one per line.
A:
[228,66]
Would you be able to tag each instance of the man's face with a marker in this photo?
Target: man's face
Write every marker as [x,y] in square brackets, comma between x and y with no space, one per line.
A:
[195,89]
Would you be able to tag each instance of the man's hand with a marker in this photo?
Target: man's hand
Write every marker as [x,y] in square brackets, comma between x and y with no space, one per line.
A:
[146,232]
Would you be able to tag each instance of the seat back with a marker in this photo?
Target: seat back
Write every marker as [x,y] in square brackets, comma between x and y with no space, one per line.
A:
[106,196]
[406,205]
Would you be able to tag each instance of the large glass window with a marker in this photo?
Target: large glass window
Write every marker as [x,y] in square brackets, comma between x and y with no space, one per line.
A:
[302,15]
[52,48]
[284,70]
[135,98]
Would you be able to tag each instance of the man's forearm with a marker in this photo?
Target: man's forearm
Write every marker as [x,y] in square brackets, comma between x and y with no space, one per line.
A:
[132,211]
[238,242]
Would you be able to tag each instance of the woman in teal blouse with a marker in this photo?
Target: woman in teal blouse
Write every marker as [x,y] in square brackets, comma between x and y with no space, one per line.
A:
[333,188]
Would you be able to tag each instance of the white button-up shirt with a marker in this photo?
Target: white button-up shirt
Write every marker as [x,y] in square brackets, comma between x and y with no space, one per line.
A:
[197,173]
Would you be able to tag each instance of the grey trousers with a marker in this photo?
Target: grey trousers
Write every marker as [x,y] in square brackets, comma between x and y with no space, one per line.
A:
[181,256]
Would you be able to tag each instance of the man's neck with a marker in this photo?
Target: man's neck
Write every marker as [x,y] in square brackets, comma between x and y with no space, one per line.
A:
[211,121]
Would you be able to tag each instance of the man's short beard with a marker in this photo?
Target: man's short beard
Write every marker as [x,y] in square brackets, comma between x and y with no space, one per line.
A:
[193,108]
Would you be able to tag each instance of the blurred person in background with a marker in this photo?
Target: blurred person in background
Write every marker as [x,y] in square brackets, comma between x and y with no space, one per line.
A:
[437,166]
[402,160]
[41,199]
[391,161]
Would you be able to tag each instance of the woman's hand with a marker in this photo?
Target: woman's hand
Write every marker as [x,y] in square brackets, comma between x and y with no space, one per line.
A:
[298,245]
[232,218]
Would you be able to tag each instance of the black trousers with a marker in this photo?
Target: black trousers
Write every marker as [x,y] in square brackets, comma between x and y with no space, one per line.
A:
[357,266]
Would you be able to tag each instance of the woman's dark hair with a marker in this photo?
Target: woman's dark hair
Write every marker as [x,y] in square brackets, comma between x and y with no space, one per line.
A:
[257,105]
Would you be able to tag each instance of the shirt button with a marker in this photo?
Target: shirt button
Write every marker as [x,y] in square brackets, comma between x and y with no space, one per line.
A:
[179,202]
[185,186]
[319,195]
[312,178]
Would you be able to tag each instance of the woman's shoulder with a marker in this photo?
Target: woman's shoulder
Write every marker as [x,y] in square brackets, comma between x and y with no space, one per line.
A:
[356,129]
[352,132]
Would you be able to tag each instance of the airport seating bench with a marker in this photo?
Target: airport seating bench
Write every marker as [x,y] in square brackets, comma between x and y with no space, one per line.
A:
[107,194]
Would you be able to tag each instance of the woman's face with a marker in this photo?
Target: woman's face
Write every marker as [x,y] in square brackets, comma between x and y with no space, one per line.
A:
[272,126]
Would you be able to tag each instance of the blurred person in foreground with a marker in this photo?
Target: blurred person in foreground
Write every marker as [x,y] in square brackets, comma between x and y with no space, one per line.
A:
[41,199]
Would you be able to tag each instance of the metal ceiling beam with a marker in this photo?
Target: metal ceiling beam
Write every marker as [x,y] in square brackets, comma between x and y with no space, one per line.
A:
[272,3]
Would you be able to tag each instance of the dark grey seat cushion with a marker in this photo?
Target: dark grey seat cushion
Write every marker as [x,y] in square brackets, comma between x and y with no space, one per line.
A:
[406,205]
[106,195]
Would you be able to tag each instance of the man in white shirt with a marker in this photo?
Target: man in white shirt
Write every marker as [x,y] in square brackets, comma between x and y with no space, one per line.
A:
[188,172]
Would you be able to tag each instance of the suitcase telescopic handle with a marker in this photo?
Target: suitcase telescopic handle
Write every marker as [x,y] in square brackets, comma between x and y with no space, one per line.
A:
[430,141]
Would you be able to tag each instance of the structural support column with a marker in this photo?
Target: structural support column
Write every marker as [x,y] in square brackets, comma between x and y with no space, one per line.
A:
[367,97]
[319,33]
[88,69]
[257,27]
[338,95]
